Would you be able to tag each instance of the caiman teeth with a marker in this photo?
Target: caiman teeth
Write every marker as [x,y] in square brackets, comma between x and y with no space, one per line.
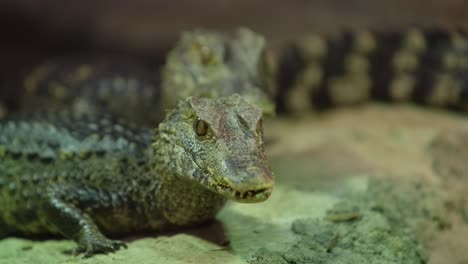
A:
[249,194]
[239,194]
[222,187]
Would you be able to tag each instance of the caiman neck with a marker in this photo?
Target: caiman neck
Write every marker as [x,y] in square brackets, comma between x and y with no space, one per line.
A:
[181,199]
[186,202]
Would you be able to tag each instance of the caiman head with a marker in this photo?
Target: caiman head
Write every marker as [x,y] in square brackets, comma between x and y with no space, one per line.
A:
[212,64]
[217,143]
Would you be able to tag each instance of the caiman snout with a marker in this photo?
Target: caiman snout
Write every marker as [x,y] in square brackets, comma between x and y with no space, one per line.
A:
[250,184]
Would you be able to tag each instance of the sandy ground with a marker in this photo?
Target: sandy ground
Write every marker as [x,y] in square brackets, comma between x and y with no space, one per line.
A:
[320,161]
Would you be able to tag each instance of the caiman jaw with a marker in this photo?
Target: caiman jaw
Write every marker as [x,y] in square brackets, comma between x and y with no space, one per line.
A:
[256,189]
[254,195]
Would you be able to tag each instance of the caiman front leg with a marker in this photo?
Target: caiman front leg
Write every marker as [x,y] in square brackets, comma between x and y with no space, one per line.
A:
[65,210]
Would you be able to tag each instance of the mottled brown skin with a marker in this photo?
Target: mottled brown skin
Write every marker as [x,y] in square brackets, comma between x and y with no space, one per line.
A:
[85,176]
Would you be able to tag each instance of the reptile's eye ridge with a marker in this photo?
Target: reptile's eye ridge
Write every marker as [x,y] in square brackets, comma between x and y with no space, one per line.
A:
[200,127]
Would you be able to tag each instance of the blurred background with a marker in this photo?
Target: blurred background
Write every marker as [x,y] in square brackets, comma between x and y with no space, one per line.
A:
[33,30]
[322,155]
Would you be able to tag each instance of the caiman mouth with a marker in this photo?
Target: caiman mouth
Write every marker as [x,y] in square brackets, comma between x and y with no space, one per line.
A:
[247,196]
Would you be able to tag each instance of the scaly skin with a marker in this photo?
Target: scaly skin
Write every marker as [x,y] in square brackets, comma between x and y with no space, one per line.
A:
[85,177]
[210,64]
[316,71]
[203,63]
[119,86]
[424,66]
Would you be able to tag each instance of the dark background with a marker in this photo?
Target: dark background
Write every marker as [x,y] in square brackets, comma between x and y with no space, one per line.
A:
[33,30]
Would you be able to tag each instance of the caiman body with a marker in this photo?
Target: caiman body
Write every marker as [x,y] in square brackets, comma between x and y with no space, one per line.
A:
[83,176]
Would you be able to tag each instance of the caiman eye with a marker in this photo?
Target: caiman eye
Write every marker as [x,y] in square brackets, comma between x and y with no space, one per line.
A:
[200,127]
